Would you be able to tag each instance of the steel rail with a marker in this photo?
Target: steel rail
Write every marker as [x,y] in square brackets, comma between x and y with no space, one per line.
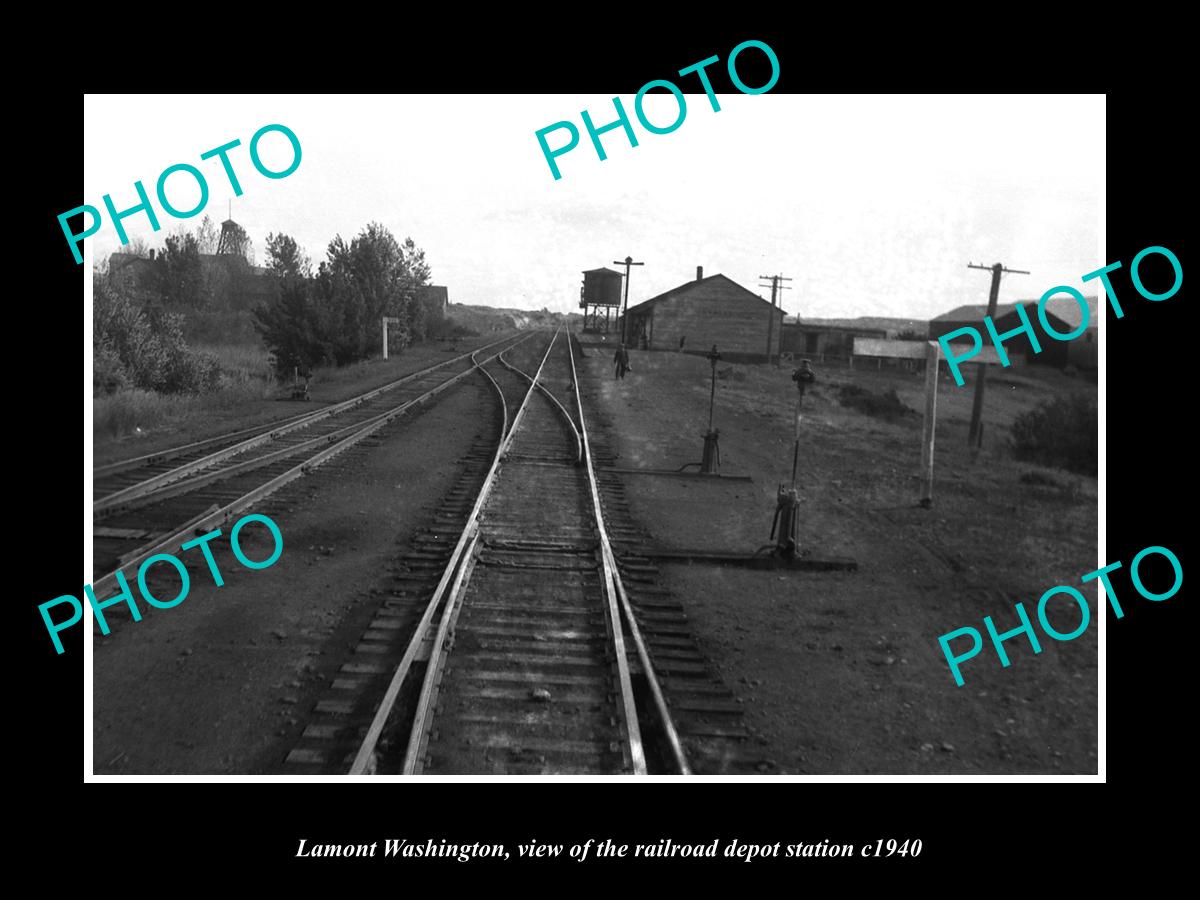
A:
[231,509]
[187,485]
[363,759]
[149,485]
[453,583]
[420,728]
[660,701]
[430,681]
[125,465]
[545,390]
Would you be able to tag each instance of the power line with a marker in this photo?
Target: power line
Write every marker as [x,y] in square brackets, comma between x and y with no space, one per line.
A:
[975,433]
[626,262]
[776,287]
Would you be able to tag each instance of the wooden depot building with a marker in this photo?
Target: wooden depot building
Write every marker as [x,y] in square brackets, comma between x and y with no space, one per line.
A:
[707,311]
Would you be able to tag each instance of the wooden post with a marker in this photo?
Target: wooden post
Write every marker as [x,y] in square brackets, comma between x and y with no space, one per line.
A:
[628,261]
[975,432]
[771,315]
[387,319]
[932,354]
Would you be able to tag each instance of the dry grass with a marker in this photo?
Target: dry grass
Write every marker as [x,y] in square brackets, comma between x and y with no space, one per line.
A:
[133,411]
[245,376]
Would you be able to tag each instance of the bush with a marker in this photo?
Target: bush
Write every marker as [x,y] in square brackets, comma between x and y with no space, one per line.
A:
[1039,479]
[132,410]
[887,405]
[143,348]
[1063,433]
[335,315]
[108,373]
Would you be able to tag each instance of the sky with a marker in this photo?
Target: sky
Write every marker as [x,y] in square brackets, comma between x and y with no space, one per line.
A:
[872,205]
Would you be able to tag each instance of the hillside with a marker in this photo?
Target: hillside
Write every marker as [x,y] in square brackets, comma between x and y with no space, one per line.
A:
[892,326]
[497,318]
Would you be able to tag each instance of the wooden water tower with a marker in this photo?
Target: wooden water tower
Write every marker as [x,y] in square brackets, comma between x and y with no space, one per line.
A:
[598,297]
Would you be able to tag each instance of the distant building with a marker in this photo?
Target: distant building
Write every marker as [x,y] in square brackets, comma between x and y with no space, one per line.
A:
[434,297]
[1084,351]
[600,299]
[825,339]
[235,284]
[135,270]
[707,311]
[1018,347]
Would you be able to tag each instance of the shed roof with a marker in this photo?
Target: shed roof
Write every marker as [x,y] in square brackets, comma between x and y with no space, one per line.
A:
[435,292]
[863,324]
[1067,308]
[974,312]
[691,285]
[1062,306]
[604,269]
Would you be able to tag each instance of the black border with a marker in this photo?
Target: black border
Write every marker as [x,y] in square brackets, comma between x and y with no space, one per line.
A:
[1146,440]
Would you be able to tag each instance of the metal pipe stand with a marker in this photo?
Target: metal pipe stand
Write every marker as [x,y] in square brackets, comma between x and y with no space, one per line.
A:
[711,461]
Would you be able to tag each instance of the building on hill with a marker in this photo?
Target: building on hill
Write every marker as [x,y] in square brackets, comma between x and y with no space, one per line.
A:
[1018,347]
[704,312]
[435,298]
[132,269]
[233,282]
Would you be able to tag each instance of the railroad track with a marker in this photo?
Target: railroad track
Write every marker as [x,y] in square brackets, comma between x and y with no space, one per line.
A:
[524,657]
[121,485]
[207,487]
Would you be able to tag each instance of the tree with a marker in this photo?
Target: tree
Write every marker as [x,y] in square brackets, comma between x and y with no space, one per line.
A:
[285,259]
[289,322]
[289,326]
[367,280]
[137,246]
[180,273]
[416,273]
[335,314]
[207,236]
[142,347]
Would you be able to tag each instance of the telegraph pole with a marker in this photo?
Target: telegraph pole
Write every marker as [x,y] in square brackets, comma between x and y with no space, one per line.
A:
[776,287]
[975,434]
[627,262]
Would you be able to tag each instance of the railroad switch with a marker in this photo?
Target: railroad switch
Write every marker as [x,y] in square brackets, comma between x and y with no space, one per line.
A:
[785,527]
[712,453]
[710,461]
[786,523]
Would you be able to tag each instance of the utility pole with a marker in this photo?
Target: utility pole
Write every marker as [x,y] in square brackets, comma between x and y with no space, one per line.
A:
[975,434]
[776,287]
[627,262]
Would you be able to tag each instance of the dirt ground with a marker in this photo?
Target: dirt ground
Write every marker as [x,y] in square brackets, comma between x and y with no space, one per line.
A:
[219,683]
[839,672]
[842,672]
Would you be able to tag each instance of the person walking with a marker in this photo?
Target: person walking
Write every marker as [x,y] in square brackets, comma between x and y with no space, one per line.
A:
[682,340]
[621,361]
